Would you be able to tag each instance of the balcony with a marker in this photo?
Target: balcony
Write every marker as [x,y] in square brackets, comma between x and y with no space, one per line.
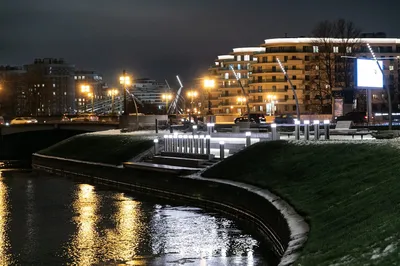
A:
[267,81]
[259,71]
[296,61]
[295,72]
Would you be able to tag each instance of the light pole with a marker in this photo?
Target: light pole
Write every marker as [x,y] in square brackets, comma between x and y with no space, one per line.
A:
[191,94]
[209,84]
[241,100]
[291,86]
[125,80]
[384,84]
[272,100]
[85,89]
[91,96]
[112,93]
[166,97]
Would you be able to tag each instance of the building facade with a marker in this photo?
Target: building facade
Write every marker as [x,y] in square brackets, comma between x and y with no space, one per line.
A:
[304,61]
[150,94]
[97,87]
[50,88]
[12,88]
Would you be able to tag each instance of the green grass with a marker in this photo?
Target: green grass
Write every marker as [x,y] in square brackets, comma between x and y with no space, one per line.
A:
[110,149]
[348,193]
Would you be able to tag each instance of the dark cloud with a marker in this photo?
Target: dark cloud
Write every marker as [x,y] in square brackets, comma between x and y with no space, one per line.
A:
[160,38]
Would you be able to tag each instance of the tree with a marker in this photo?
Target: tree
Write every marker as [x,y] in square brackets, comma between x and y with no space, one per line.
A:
[328,69]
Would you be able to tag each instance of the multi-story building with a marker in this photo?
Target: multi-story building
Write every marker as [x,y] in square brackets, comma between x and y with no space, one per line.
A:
[269,91]
[232,73]
[97,87]
[50,87]
[150,93]
[12,89]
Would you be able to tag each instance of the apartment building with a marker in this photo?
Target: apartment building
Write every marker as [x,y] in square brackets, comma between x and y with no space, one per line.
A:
[269,91]
[228,70]
[96,86]
[50,87]
[12,90]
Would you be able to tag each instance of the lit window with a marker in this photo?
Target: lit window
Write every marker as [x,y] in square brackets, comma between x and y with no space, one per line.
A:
[239,75]
[222,64]
[76,77]
[54,93]
[42,85]
[54,85]
[226,75]
[391,67]
[239,67]
[316,67]
[247,57]
[348,50]
[239,58]
[315,49]
[374,96]
[336,49]
[217,63]
[65,93]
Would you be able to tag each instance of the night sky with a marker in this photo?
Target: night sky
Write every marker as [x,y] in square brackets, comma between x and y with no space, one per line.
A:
[162,38]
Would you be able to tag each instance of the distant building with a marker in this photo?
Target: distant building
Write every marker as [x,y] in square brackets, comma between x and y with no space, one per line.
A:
[373,35]
[50,88]
[12,88]
[150,92]
[96,84]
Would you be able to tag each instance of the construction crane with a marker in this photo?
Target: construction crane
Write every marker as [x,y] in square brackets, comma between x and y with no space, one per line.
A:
[174,107]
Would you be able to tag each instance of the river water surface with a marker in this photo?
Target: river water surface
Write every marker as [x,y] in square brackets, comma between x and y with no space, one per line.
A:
[50,220]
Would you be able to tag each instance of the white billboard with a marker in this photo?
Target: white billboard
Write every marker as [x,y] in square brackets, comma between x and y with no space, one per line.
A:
[368,74]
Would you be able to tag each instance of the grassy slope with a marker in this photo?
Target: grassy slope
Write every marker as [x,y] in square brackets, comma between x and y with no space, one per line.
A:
[349,194]
[111,149]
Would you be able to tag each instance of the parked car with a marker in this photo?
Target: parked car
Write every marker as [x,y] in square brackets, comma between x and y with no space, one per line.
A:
[2,122]
[284,119]
[254,118]
[23,120]
[65,119]
[85,118]
[356,117]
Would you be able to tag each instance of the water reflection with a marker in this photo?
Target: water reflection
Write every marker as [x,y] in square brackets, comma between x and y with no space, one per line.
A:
[30,244]
[83,246]
[6,257]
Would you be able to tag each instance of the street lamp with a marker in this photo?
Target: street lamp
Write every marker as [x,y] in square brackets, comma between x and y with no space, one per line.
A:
[291,85]
[112,93]
[166,97]
[125,80]
[191,94]
[241,100]
[384,84]
[271,101]
[209,84]
[85,89]
[91,96]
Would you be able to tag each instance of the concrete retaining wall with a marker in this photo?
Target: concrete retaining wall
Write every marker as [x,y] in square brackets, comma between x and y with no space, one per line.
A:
[249,206]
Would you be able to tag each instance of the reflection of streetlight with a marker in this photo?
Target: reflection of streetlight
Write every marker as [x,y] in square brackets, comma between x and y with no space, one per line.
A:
[112,93]
[125,81]
[166,97]
[209,84]
[271,102]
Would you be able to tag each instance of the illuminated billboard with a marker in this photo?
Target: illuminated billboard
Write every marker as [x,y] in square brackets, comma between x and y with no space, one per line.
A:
[368,74]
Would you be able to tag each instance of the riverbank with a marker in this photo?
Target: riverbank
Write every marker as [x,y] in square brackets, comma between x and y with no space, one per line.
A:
[101,148]
[347,191]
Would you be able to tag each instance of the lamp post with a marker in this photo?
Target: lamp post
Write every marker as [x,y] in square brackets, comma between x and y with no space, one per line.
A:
[291,86]
[272,100]
[91,96]
[166,97]
[112,93]
[85,89]
[384,84]
[191,94]
[125,80]
[209,84]
[241,100]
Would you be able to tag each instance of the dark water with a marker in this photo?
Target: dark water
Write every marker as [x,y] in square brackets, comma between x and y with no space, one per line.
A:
[49,220]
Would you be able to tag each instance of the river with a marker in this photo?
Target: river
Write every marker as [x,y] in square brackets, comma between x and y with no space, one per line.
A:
[50,220]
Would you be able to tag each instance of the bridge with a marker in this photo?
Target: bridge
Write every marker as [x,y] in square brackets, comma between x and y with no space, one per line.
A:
[83,126]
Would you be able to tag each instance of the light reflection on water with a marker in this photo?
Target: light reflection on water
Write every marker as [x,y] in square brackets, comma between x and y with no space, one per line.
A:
[82,225]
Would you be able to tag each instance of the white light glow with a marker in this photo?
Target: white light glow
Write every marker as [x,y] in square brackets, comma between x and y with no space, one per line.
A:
[208,137]
[273,125]
[165,136]
[194,127]
[297,122]
[249,49]
[368,74]
[316,122]
[326,122]
[307,122]
[248,134]
[196,136]
[221,143]
[281,66]
[155,140]
[313,40]
[226,57]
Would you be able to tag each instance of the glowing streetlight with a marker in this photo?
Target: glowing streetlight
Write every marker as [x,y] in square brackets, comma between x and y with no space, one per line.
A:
[209,84]
[166,97]
[85,89]
[291,85]
[125,80]
[91,96]
[112,93]
[192,94]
